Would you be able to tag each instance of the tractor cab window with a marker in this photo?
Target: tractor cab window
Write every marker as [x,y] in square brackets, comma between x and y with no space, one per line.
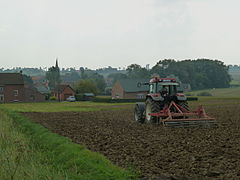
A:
[167,90]
[164,90]
[172,90]
[153,88]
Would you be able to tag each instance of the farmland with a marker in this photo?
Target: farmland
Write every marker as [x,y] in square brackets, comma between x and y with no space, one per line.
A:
[220,92]
[153,151]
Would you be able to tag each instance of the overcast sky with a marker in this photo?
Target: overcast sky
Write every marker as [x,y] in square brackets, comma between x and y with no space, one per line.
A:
[94,33]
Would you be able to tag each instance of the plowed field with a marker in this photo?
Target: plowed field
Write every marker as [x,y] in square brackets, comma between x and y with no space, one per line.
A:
[157,152]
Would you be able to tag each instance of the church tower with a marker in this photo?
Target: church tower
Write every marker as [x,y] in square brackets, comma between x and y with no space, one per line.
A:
[56,66]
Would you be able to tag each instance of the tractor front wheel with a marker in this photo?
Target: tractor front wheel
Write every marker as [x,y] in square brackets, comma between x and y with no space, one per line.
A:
[151,107]
[139,112]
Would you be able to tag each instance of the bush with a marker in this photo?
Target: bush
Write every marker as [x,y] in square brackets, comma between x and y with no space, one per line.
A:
[189,94]
[192,98]
[53,98]
[204,94]
[79,97]
[109,100]
[47,96]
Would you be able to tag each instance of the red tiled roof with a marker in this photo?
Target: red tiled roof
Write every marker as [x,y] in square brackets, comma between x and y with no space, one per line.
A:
[61,88]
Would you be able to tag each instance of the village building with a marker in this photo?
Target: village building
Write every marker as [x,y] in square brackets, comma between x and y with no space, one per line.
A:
[13,89]
[41,83]
[63,91]
[129,89]
[33,95]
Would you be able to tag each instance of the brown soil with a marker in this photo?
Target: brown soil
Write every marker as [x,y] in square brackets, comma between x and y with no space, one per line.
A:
[157,152]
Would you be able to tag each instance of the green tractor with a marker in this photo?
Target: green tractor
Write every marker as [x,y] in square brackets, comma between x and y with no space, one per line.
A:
[167,106]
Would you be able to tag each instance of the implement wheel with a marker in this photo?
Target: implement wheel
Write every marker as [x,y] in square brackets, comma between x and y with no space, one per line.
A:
[139,112]
[151,107]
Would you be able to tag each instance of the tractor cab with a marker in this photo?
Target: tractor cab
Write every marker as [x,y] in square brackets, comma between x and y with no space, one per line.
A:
[164,88]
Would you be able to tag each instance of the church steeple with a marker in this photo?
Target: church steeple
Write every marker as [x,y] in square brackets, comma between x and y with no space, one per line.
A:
[56,63]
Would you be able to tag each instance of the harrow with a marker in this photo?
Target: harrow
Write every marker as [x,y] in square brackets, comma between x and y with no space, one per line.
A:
[175,115]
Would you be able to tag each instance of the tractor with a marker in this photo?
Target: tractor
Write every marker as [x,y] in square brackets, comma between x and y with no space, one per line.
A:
[168,106]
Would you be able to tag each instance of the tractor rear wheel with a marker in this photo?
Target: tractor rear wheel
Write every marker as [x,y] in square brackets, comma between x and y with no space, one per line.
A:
[139,112]
[151,107]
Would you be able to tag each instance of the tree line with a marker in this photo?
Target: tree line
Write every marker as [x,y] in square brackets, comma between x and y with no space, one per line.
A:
[200,73]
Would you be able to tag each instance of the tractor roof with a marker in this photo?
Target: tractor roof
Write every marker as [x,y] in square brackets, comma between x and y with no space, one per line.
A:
[163,80]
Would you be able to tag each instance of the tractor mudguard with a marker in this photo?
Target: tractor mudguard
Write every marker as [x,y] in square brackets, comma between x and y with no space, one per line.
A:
[155,97]
[181,97]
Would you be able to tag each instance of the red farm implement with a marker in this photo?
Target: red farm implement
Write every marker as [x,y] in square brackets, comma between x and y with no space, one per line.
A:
[174,115]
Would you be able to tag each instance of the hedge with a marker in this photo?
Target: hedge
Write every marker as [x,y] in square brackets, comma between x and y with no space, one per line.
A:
[108,100]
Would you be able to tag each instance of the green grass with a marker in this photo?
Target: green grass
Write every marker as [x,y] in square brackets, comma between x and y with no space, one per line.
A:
[214,101]
[220,92]
[61,106]
[235,83]
[19,158]
[29,151]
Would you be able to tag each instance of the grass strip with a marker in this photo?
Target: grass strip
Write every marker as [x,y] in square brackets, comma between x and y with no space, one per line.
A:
[60,107]
[49,155]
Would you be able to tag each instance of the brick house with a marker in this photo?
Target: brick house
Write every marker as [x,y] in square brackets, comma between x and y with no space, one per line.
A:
[12,89]
[128,89]
[33,95]
[63,91]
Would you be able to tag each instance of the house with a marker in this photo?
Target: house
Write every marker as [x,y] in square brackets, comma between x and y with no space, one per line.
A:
[13,89]
[33,95]
[63,91]
[41,83]
[128,89]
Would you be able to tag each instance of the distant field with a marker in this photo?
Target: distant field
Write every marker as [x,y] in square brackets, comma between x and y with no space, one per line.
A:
[235,75]
[220,92]
[234,82]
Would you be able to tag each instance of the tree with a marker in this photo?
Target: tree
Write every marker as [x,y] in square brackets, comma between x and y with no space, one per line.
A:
[85,86]
[98,80]
[200,73]
[71,76]
[136,71]
[94,77]
[28,80]
[53,76]
[116,76]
